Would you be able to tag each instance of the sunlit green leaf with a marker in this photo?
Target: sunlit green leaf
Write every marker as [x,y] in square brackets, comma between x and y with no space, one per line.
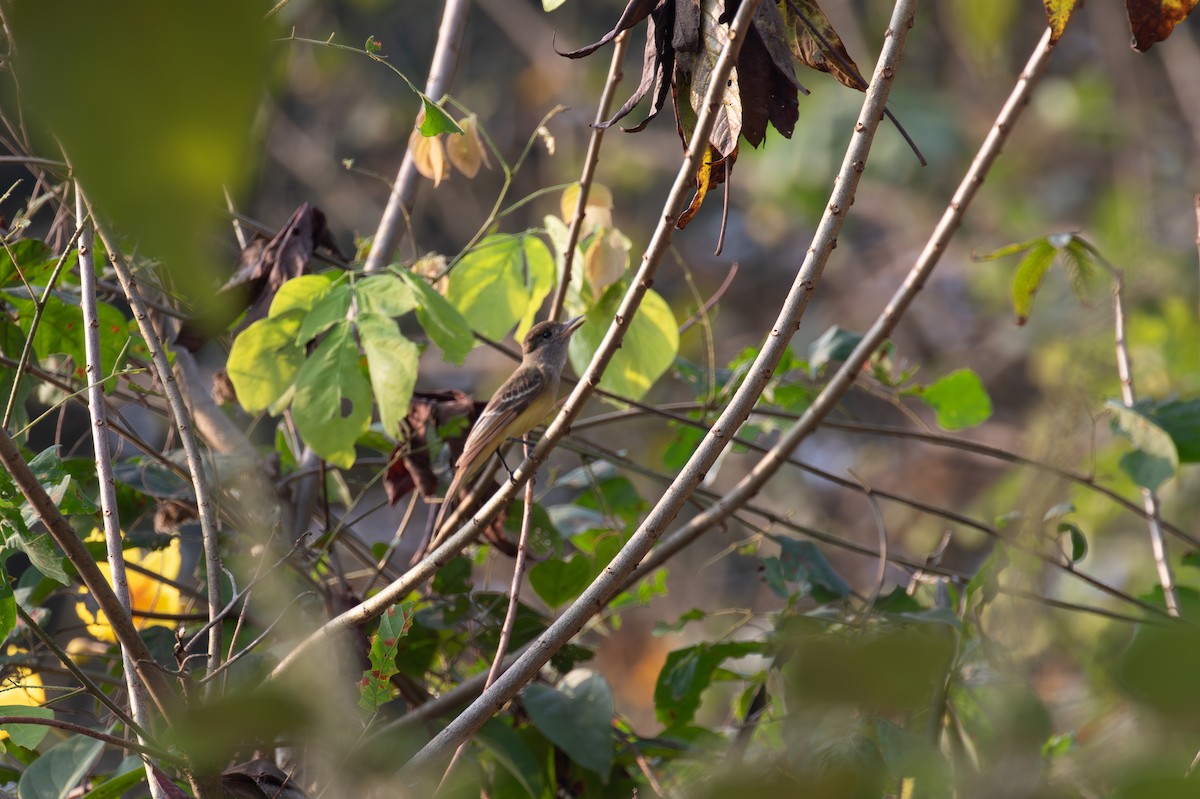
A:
[436,120]
[959,399]
[647,351]
[501,282]
[375,687]
[332,406]
[264,360]
[1030,273]
[441,321]
[392,364]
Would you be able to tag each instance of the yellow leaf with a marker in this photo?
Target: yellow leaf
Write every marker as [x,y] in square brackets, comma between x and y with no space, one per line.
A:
[428,156]
[466,150]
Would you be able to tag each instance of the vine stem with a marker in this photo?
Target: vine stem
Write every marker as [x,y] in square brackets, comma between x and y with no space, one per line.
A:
[846,375]
[187,438]
[588,175]
[404,190]
[659,243]
[608,582]
[102,455]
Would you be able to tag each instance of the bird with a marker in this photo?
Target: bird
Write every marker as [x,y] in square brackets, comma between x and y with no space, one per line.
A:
[518,406]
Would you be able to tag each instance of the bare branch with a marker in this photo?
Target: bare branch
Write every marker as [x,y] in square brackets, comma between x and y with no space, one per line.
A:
[183,424]
[404,190]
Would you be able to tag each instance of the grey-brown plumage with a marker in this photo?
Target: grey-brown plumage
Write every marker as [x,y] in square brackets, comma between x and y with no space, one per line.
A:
[518,406]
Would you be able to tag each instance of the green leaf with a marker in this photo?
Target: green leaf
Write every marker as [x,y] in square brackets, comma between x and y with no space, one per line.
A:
[392,363]
[687,673]
[8,603]
[541,277]
[436,120]
[557,582]
[1157,669]
[550,5]
[301,293]
[648,350]
[1030,273]
[375,687]
[28,257]
[332,407]
[1181,420]
[801,562]
[959,399]
[325,313]
[501,282]
[1079,545]
[26,735]
[1007,250]
[264,360]
[576,716]
[441,321]
[511,752]
[59,770]
[1154,459]
[116,785]
[387,295]
[833,346]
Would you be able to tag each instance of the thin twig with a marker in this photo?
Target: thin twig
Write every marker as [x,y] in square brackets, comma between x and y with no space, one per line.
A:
[589,172]
[39,308]
[78,729]
[605,585]
[183,424]
[404,190]
[79,674]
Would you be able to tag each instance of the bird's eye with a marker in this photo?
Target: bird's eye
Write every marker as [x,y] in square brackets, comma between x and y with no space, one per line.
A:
[547,334]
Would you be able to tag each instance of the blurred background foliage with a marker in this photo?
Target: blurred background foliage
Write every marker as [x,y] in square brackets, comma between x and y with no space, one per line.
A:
[1043,700]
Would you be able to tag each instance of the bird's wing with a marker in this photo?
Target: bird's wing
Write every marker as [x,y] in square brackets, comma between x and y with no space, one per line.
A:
[490,429]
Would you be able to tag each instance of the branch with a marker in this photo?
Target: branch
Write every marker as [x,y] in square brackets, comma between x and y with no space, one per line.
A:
[179,411]
[846,375]
[607,584]
[589,172]
[404,190]
[71,545]
[101,453]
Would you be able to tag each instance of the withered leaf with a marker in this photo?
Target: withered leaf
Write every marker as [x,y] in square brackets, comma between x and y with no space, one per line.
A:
[411,465]
[1058,14]
[635,12]
[815,43]
[466,151]
[429,157]
[657,66]
[264,266]
[1153,20]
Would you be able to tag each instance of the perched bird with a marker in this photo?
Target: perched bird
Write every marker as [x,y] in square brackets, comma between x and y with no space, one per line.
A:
[517,406]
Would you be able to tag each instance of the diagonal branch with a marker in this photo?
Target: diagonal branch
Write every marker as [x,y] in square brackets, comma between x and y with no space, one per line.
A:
[657,248]
[846,375]
[607,584]
[404,190]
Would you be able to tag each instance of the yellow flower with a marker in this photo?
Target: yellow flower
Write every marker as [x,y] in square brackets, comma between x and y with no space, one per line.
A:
[147,594]
[22,687]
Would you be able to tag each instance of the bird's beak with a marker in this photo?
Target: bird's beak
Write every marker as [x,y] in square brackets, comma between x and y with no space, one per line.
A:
[571,325]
